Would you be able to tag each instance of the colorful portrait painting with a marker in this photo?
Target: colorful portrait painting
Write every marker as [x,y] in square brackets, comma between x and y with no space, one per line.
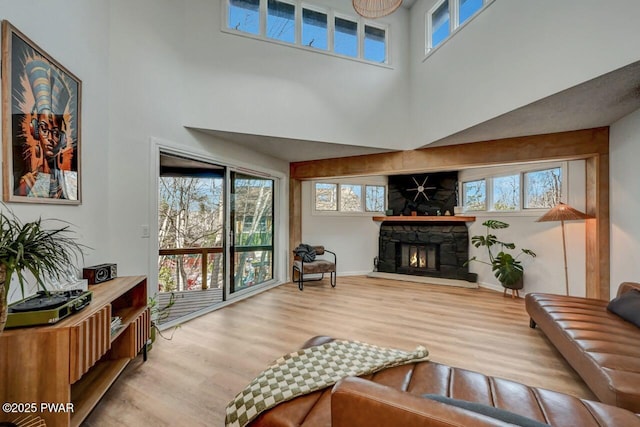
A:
[41,124]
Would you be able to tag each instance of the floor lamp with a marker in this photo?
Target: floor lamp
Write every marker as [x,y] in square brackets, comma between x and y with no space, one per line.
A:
[562,212]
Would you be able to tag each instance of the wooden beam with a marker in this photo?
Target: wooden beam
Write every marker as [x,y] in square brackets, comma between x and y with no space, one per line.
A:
[589,144]
[295,216]
[597,229]
[580,144]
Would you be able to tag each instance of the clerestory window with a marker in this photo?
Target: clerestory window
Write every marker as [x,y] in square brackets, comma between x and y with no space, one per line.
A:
[318,28]
[447,17]
[349,198]
[515,192]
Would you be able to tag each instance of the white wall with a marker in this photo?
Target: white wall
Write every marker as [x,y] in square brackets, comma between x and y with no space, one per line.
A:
[545,273]
[78,41]
[129,56]
[146,80]
[235,83]
[625,200]
[150,67]
[514,53]
[354,239]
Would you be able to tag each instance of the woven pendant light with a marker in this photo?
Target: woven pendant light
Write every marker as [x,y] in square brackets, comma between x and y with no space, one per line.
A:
[375,8]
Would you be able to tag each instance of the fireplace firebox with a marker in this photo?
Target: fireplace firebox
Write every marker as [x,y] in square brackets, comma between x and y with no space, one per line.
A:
[417,258]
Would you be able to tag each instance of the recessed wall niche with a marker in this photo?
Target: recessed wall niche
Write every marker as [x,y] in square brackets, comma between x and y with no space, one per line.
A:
[426,193]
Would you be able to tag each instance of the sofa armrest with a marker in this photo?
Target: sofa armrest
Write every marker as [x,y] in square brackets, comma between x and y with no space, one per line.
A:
[317,340]
[627,286]
[356,402]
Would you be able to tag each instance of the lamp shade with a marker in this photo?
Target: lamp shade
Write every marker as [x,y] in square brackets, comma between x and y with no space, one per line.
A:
[563,212]
[375,8]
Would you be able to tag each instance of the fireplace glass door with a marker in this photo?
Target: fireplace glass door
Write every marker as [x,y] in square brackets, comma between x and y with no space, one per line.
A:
[418,257]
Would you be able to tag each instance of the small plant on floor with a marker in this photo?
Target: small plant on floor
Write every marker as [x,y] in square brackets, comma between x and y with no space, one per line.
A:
[159,314]
[505,266]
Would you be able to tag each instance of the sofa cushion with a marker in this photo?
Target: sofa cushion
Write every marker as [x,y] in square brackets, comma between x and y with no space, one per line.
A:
[490,411]
[627,306]
[600,345]
[553,408]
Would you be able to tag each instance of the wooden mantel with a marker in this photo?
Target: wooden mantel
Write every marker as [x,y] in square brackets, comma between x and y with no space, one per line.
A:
[425,218]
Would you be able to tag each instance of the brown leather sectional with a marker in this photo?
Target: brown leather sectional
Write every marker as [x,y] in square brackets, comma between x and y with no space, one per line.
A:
[393,397]
[603,348]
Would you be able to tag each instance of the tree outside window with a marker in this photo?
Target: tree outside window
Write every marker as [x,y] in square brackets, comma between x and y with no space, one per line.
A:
[474,195]
[506,193]
[374,198]
[350,198]
[543,189]
[326,197]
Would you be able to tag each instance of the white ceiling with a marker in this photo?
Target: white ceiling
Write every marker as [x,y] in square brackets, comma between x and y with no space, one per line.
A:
[595,103]
[292,150]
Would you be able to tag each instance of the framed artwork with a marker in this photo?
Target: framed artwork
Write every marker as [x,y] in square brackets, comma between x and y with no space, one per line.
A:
[40,124]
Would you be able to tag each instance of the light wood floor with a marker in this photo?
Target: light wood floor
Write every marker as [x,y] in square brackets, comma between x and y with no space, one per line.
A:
[190,379]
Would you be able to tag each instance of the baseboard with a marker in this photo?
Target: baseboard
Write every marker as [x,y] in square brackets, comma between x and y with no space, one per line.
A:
[353,273]
[423,279]
[493,287]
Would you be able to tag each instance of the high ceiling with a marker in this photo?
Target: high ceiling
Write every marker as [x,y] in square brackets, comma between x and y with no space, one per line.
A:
[595,103]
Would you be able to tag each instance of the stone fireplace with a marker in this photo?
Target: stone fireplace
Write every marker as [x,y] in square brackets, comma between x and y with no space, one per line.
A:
[433,247]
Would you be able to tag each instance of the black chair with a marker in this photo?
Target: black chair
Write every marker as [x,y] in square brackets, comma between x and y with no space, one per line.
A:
[317,266]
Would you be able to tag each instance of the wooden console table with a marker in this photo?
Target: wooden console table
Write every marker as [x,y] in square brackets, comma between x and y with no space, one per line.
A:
[71,364]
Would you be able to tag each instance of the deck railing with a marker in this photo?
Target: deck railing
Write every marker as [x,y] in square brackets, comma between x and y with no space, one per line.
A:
[204,258]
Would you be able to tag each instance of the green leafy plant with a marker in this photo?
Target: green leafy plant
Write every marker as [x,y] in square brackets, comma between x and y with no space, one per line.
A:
[31,248]
[506,267]
[160,313]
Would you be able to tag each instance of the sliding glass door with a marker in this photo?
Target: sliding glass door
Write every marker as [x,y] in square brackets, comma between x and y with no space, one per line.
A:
[215,234]
[191,212]
[251,218]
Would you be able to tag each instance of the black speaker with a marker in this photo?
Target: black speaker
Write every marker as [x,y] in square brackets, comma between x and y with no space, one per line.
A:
[100,273]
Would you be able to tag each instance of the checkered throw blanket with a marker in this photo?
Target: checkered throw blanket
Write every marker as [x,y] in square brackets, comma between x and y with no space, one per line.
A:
[313,369]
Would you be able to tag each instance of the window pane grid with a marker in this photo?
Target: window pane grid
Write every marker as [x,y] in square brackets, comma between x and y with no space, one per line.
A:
[506,193]
[343,36]
[542,188]
[281,21]
[440,24]
[474,195]
[326,197]
[374,198]
[350,198]
[447,16]
[468,8]
[534,189]
[314,29]
[244,15]
[374,44]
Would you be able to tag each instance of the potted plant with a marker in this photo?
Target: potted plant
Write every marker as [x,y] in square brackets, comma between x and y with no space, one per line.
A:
[31,248]
[505,266]
[158,314]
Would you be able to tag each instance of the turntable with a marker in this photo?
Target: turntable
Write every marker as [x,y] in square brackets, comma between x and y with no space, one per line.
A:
[46,307]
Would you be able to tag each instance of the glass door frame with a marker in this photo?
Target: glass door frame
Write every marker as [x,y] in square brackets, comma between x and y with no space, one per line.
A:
[230,234]
[280,215]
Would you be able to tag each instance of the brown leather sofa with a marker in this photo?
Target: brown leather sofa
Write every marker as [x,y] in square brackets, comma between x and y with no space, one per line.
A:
[394,397]
[603,348]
